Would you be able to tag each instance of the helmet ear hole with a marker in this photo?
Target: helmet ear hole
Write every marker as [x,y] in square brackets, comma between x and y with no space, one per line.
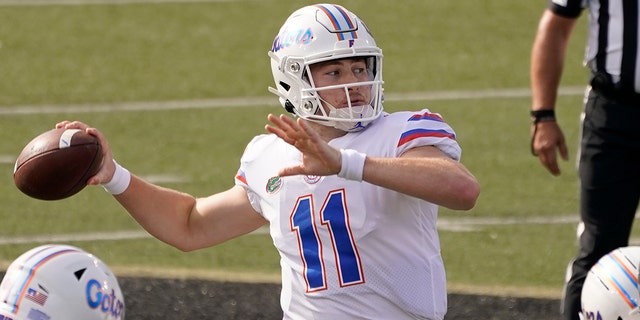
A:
[284,85]
[79,273]
[288,106]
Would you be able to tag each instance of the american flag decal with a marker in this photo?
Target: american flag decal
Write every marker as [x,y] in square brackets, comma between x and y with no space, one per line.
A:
[36,296]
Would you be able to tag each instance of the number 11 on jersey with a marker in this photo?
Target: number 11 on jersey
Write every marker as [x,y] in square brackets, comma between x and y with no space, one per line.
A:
[334,217]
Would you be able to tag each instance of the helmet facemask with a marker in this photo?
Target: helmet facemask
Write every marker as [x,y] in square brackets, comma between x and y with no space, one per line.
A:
[350,117]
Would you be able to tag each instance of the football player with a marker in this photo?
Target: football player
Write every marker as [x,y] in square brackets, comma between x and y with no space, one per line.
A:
[350,192]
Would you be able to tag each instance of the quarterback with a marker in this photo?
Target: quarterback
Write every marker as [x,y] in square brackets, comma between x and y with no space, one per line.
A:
[350,193]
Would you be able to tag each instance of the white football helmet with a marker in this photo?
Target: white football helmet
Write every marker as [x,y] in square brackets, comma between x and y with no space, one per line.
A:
[60,282]
[320,33]
[610,291]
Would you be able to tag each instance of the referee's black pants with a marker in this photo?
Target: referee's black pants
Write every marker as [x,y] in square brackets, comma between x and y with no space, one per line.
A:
[609,171]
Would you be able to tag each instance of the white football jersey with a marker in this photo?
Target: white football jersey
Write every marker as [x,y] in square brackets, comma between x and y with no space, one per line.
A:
[353,250]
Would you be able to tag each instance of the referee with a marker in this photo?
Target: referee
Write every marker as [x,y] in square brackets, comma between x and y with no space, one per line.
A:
[609,155]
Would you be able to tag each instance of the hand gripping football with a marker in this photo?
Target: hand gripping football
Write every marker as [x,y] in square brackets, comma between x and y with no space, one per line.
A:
[57,164]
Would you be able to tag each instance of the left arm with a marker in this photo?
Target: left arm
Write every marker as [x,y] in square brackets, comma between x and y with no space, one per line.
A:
[426,173]
[547,62]
[423,172]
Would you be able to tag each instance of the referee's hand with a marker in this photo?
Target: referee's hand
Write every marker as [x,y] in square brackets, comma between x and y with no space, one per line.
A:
[547,137]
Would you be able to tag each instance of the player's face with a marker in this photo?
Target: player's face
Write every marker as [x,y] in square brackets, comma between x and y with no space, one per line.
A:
[340,72]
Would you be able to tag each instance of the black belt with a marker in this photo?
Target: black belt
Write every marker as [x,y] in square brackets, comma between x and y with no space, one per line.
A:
[602,84]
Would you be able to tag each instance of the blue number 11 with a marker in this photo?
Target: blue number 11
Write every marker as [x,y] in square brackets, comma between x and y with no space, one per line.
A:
[335,217]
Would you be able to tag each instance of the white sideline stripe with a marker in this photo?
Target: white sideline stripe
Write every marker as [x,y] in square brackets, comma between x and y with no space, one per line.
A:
[473,224]
[93,236]
[89,236]
[165,178]
[267,101]
[139,106]
[6,159]
[476,94]
[98,2]
[457,224]
[445,224]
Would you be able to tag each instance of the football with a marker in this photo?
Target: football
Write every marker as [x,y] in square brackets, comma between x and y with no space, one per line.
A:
[57,164]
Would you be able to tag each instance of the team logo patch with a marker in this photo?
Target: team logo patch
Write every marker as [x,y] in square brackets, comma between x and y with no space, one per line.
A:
[312,179]
[274,184]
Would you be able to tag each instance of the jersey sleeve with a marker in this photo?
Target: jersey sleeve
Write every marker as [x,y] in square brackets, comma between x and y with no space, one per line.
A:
[241,178]
[254,198]
[567,8]
[428,129]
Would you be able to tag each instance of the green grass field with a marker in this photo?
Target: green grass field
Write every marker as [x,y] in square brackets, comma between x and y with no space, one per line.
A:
[91,55]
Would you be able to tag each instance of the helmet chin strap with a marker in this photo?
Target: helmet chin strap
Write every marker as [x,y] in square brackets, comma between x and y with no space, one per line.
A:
[350,114]
[355,113]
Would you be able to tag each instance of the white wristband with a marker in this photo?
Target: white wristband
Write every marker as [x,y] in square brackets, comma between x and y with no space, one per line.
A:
[352,164]
[119,182]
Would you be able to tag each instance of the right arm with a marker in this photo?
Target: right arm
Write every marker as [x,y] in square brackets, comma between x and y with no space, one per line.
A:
[186,222]
[177,218]
[547,63]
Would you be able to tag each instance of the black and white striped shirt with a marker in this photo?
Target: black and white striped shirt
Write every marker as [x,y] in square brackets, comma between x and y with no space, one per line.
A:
[613,37]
